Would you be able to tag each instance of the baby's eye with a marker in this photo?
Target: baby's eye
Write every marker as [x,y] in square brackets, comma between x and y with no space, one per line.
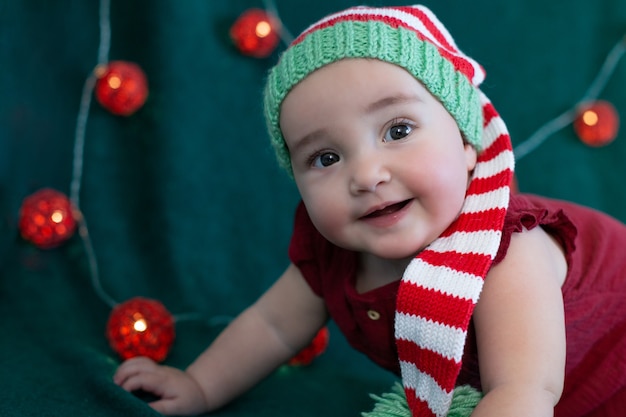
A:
[324,159]
[397,132]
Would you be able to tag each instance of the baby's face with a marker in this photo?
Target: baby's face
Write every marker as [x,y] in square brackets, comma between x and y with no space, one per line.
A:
[380,164]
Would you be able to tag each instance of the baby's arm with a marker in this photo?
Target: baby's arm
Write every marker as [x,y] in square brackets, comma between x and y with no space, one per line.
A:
[260,339]
[520,329]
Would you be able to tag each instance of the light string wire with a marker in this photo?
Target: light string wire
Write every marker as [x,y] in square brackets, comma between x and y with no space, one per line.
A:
[79,149]
[567,117]
[270,8]
[77,171]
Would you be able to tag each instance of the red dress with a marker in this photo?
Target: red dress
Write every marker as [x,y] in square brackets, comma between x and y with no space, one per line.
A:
[594,296]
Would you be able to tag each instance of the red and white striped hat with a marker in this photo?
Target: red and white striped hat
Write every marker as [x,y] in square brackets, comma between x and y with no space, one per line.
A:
[441,285]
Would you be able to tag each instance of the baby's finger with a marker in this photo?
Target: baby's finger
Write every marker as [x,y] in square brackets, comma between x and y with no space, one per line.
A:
[132,367]
[179,405]
[148,381]
[167,406]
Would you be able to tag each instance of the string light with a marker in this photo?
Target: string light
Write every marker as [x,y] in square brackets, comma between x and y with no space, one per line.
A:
[568,117]
[313,350]
[139,326]
[597,123]
[256,33]
[47,218]
[121,87]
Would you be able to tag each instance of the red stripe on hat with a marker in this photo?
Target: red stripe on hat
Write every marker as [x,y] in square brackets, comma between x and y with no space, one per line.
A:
[446,371]
[489,112]
[441,308]
[360,17]
[417,406]
[429,25]
[459,62]
[475,221]
[499,145]
[484,185]
[352,17]
[462,262]
[448,50]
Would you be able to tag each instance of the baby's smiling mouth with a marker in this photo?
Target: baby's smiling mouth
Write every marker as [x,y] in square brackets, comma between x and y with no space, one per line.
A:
[390,209]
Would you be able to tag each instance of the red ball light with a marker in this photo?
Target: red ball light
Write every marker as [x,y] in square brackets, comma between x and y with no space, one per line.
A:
[597,123]
[315,349]
[255,33]
[121,88]
[47,218]
[141,327]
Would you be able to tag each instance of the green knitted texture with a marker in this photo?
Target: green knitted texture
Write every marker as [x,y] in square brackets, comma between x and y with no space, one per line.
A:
[377,40]
[394,404]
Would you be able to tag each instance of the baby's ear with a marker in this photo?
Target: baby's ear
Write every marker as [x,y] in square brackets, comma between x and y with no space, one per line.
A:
[471,156]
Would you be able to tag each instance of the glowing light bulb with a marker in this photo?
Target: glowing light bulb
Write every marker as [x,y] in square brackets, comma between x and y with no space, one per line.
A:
[597,123]
[121,88]
[255,33]
[263,28]
[114,82]
[590,118]
[57,216]
[47,218]
[140,325]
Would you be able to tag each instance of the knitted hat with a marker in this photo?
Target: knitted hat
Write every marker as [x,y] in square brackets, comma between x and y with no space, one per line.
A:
[440,287]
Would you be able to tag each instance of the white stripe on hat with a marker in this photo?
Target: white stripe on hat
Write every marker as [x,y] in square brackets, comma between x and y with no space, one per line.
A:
[494,199]
[464,285]
[487,168]
[431,334]
[447,243]
[479,73]
[426,389]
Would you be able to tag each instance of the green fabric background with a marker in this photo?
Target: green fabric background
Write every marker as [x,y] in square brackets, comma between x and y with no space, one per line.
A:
[184,201]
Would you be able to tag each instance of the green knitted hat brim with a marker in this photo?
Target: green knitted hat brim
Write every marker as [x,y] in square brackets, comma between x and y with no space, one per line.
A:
[357,39]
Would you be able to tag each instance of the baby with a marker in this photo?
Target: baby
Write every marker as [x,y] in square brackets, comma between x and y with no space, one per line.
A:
[408,238]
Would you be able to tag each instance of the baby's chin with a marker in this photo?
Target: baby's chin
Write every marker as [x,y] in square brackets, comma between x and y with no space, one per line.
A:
[387,252]
[398,258]
[402,258]
[398,253]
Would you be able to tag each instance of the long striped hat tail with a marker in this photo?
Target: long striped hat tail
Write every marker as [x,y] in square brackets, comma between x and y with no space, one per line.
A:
[441,286]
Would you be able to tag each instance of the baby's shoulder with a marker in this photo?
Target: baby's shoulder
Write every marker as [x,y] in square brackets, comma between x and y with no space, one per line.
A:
[533,251]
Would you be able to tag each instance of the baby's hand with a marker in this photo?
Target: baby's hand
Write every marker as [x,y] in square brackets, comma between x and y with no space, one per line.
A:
[178,392]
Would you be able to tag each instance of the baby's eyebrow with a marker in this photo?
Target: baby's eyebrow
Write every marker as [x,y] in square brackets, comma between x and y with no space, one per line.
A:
[391,100]
[306,140]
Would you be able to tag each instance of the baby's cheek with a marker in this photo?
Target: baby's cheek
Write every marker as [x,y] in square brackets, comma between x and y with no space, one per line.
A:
[329,220]
[326,223]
